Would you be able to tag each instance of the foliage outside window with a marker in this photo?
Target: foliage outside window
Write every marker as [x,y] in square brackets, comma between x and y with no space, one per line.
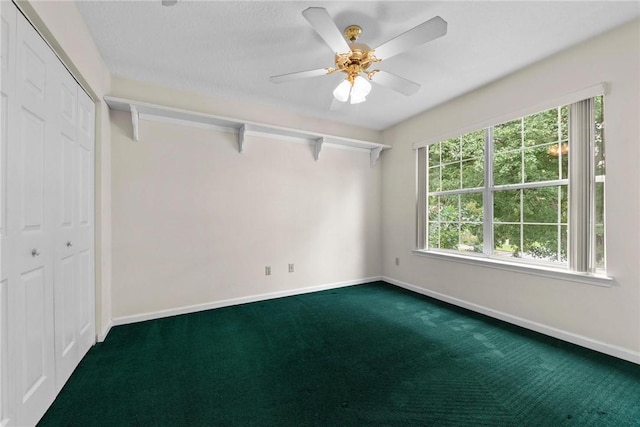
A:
[518,206]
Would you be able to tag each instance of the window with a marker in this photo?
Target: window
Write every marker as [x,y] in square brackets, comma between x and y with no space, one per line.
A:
[528,190]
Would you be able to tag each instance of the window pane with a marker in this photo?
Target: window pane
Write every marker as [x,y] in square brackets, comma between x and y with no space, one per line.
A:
[451,177]
[450,150]
[449,217]
[433,209]
[434,235]
[540,164]
[473,144]
[507,168]
[506,240]
[541,128]
[600,230]
[540,205]
[564,142]
[564,238]
[541,242]
[507,136]
[506,206]
[449,208]
[472,173]
[600,253]
[599,137]
[599,202]
[470,238]
[449,235]
[434,154]
[564,204]
[564,123]
[434,179]
[564,160]
[471,207]
[600,169]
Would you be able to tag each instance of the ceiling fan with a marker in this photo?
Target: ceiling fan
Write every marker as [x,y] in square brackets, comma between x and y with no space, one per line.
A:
[355,59]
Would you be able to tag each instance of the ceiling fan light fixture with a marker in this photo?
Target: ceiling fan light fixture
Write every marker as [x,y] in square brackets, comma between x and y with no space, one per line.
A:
[357,91]
[341,92]
[361,87]
[357,99]
[360,90]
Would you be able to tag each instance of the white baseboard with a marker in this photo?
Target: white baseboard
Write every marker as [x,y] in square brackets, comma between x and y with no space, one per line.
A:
[602,347]
[235,301]
[101,336]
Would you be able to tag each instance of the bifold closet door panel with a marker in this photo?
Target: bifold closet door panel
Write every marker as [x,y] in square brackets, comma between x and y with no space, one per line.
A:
[7,92]
[84,231]
[74,255]
[66,266]
[31,194]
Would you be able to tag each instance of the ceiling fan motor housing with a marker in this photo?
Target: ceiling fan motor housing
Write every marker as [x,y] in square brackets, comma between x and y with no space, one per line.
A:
[357,61]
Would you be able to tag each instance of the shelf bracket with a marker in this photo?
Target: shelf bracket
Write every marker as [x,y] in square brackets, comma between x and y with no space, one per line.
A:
[374,155]
[242,133]
[135,123]
[317,147]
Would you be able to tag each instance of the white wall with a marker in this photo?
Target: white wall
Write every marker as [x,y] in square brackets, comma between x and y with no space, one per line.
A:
[603,316]
[195,222]
[64,29]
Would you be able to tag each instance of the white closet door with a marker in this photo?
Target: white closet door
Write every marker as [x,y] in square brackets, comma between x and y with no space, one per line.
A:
[84,230]
[7,91]
[31,194]
[74,258]
[46,223]
[66,266]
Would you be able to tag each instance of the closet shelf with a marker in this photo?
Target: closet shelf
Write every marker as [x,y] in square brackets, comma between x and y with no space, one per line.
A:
[243,128]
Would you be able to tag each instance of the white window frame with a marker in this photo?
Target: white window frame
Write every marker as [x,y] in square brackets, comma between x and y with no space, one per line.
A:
[581,182]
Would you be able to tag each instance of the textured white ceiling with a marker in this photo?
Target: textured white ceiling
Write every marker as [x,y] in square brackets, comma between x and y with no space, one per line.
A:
[229,49]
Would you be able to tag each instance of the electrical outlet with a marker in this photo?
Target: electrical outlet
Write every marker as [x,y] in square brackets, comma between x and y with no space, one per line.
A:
[397,261]
[267,271]
[290,268]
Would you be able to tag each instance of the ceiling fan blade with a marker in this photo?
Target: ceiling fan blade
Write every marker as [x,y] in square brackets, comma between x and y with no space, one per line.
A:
[298,75]
[397,83]
[320,20]
[423,33]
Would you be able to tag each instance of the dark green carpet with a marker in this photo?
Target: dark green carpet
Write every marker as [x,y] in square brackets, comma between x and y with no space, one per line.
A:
[364,355]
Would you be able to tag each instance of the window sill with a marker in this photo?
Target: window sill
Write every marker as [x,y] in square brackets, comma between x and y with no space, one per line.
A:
[537,270]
